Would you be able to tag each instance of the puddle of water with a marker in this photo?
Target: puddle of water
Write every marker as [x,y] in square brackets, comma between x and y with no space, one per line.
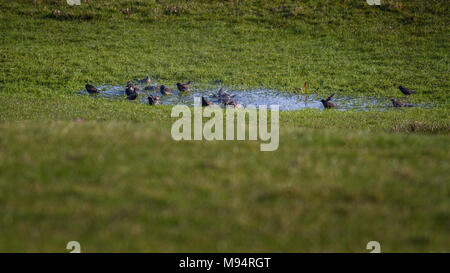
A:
[285,100]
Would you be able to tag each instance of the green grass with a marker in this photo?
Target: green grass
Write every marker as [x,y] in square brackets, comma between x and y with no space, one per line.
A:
[118,186]
[118,182]
[344,48]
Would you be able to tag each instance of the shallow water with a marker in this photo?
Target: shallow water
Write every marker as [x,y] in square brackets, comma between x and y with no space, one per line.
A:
[285,100]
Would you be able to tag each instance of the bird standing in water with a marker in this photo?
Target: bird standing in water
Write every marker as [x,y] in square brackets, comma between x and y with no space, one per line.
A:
[152,87]
[397,103]
[327,103]
[91,89]
[133,95]
[224,97]
[129,89]
[223,93]
[406,91]
[165,90]
[184,87]
[205,102]
[230,103]
[153,100]
[145,80]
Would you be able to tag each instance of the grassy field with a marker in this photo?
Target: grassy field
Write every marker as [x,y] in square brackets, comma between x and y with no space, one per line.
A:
[118,182]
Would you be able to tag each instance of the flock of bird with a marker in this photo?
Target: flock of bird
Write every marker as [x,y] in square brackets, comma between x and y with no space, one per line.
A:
[327,103]
[132,91]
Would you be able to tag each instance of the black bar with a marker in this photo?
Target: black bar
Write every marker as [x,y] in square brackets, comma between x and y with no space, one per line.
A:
[222,262]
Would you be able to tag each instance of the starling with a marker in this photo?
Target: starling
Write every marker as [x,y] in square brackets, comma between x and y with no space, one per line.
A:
[130,88]
[397,103]
[184,87]
[205,102]
[153,100]
[133,95]
[225,98]
[145,80]
[327,103]
[228,101]
[406,91]
[152,87]
[91,89]
[222,93]
[165,90]
[132,92]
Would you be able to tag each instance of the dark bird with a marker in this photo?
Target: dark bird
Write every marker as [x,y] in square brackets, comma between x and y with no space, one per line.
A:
[223,93]
[145,80]
[228,101]
[225,98]
[133,95]
[129,89]
[406,91]
[91,89]
[397,103]
[152,87]
[165,90]
[184,87]
[205,102]
[327,103]
[153,100]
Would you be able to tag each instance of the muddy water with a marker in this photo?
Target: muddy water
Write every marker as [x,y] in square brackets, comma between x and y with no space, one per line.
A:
[285,100]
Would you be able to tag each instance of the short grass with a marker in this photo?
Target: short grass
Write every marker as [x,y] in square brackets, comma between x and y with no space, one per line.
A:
[118,182]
